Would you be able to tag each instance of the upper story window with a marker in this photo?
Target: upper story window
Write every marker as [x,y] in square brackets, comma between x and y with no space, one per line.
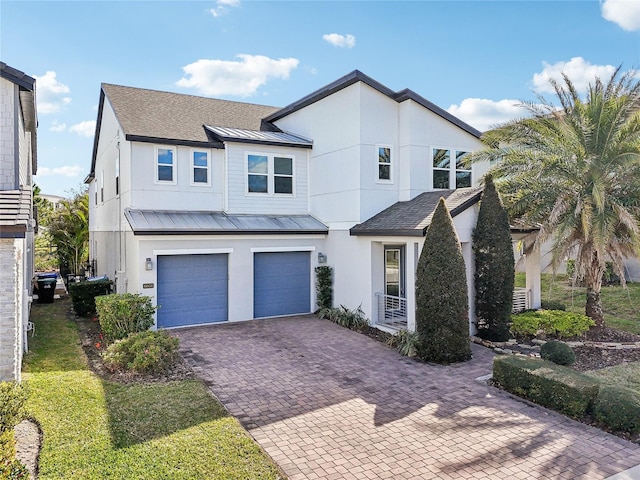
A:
[271,174]
[449,175]
[200,170]
[384,164]
[165,165]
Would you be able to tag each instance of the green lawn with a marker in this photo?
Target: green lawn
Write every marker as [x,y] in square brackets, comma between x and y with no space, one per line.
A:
[621,305]
[626,375]
[94,429]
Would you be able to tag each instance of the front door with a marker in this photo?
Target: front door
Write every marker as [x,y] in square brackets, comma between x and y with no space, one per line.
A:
[394,280]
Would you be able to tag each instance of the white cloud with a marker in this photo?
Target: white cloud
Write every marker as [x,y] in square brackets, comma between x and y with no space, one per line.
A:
[483,114]
[222,7]
[241,78]
[50,93]
[626,13]
[56,126]
[66,171]
[84,129]
[338,40]
[579,71]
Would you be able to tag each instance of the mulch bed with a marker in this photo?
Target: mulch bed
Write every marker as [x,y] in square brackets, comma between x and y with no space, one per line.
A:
[93,345]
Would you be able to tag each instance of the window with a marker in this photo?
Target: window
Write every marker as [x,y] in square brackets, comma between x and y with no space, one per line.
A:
[444,170]
[199,167]
[258,168]
[441,162]
[102,186]
[270,174]
[165,158]
[384,164]
[282,175]
[463,174]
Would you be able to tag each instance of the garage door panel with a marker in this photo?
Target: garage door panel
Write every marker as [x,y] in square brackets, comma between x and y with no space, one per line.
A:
[281,283]
[192,289]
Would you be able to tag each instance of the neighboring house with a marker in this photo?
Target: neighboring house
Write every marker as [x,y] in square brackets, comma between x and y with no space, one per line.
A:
[18,162]
[221,210]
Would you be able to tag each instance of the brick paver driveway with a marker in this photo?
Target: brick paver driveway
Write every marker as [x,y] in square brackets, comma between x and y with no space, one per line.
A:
[328,403]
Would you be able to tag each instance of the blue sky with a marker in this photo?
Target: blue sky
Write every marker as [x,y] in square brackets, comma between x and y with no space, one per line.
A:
[475,59]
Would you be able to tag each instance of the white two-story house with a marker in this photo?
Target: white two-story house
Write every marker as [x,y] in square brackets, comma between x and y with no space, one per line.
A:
[18,163]
[221,210]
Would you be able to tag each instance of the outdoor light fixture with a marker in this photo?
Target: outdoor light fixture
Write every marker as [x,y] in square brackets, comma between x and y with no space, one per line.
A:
[148,264]
[322,258]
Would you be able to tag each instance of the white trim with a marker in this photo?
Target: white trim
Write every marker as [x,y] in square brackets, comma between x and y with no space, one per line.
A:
[282,249]
[174,165]
[193,183]
[193,251]
[391,164]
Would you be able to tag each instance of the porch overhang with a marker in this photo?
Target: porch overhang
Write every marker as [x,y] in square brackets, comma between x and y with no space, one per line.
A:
[412,218]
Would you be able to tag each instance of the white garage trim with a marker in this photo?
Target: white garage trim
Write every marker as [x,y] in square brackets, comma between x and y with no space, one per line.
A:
[282,249]
[193,251]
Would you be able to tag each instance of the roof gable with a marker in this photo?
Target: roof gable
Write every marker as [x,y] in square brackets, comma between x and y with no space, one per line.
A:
[358,76]
[412,218]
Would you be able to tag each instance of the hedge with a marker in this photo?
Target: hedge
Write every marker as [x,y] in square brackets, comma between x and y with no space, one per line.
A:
[554,386]
[618,408]
[83,295]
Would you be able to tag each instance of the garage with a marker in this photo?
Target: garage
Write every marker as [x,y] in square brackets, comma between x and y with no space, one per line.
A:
[192,289]
[282,283]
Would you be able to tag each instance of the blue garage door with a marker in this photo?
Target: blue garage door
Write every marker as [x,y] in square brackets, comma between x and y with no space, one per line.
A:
[192,289]
[281,284]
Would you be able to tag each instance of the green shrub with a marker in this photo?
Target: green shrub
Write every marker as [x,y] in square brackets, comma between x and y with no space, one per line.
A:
[494,272]
[83,295]
[143,352]
[552,305]
[122,314]
[406,342]
[543,382]
[324,288]
[618,408]
[442,305]
[554,323]
[558,352]
[351,319]
[12,398]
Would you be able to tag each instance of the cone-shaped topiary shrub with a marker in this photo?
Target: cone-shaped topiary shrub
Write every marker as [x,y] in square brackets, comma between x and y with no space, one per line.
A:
[442,316]
[494,260]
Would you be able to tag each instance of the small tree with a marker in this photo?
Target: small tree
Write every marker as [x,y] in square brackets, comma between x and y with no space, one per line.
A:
[69,230]
[494,262]
[442,314]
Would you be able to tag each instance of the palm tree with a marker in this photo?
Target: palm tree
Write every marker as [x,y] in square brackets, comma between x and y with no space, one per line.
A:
[574,170]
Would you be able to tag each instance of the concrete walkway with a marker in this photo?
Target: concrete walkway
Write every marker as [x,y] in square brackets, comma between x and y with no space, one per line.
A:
[328,403]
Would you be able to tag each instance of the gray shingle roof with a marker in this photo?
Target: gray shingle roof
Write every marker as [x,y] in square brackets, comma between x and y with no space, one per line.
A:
[154,222]
[412,218]
[15,212]
[174,116]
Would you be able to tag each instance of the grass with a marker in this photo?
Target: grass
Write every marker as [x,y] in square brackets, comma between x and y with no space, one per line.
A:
[621,305]
[94,429]
[625,375]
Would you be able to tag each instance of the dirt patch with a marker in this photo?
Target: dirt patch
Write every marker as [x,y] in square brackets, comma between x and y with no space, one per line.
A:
[28,442]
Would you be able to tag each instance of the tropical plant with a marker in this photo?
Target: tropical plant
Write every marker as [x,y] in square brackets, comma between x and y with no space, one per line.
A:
[442,313]
[574,170]
[494,261]
[351,319]
[69,230]
[324,286]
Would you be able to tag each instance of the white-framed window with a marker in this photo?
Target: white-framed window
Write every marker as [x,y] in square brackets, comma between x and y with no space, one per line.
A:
[117,175]
[102,186]
[270,174]
[383,165]
[200,168]
[448,174]
[166,165]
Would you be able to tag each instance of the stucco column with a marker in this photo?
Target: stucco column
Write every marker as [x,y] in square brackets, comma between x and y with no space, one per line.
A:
[410,287]
[532,265]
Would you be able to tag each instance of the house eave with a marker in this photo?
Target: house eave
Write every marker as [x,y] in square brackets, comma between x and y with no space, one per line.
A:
[173,141]
[229,232]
